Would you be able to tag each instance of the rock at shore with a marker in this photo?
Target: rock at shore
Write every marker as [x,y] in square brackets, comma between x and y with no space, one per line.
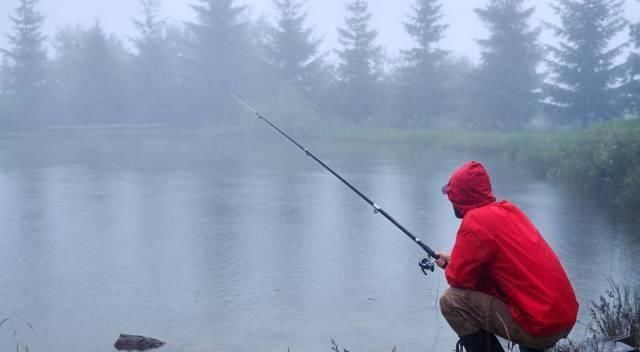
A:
[137,343]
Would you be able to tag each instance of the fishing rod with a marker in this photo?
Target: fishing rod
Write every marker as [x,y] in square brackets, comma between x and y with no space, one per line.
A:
[425,264]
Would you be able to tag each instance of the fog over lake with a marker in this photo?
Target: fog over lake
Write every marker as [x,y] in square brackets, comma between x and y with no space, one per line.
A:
[139,193]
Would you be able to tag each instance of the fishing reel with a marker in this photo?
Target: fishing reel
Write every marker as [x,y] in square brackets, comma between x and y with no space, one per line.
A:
[427,265]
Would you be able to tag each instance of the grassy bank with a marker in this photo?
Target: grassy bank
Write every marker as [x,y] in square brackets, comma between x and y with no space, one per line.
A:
[602,162]
[613,315]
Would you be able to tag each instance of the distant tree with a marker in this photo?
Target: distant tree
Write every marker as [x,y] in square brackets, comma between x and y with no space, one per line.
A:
[461,109]
[218,57]
[67,44]
[178,40]
[4,108]
[507,83]
[359,61]
[89,71]
[423,95]
[25,66]
[154,79]
[293,49]
[4,70]
[635,33]
[585,69]
[102,67]
[633,84]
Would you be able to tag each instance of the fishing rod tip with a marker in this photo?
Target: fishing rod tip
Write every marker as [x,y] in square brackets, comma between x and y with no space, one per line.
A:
[242,102]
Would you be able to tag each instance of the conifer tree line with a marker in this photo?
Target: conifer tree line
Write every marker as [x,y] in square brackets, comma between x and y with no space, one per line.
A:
[181,74]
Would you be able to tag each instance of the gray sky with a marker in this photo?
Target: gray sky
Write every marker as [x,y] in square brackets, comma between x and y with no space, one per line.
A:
[324,15]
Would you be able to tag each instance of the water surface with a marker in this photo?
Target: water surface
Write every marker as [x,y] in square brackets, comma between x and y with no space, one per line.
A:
[243,244]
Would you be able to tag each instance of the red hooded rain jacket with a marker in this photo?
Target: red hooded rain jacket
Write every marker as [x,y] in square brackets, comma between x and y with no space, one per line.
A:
[499,251]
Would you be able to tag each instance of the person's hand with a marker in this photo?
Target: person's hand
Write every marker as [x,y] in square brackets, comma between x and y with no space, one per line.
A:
[444,260]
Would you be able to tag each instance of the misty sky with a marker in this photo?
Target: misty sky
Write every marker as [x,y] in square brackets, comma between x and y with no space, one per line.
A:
[324,15]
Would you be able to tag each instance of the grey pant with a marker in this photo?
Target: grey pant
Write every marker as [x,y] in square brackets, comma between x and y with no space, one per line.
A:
[468,312]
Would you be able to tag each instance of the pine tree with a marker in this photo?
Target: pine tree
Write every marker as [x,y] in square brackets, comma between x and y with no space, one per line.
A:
[90,77]
[633,85]
[4,83]
[294,51]
[26,65]
[358,70]
[585,70]
[635,33]
[507,81]
[67,43]
[4,68]
[154,78]
[102,79]
[218,57]
[150,41]
[422,94]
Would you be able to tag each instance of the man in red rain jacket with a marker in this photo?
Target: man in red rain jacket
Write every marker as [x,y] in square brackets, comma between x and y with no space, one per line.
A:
[505,279]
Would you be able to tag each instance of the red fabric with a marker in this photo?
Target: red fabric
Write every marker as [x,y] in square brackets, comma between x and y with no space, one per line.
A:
[499,251]
[470,187]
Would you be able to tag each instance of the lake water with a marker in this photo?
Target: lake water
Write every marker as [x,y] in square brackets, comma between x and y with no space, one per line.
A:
[244,244]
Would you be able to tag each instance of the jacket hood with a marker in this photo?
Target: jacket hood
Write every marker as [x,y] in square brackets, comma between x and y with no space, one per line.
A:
[470,187]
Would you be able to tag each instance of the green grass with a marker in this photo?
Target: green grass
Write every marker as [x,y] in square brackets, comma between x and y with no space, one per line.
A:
[602,162]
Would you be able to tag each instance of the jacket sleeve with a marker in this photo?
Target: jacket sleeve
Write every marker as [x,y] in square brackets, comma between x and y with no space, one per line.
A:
[471,255]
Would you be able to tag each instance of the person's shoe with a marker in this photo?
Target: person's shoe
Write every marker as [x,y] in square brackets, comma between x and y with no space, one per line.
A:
[480,341]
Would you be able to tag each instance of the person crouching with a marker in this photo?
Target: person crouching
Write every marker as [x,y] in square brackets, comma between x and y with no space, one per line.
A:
[504,278]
